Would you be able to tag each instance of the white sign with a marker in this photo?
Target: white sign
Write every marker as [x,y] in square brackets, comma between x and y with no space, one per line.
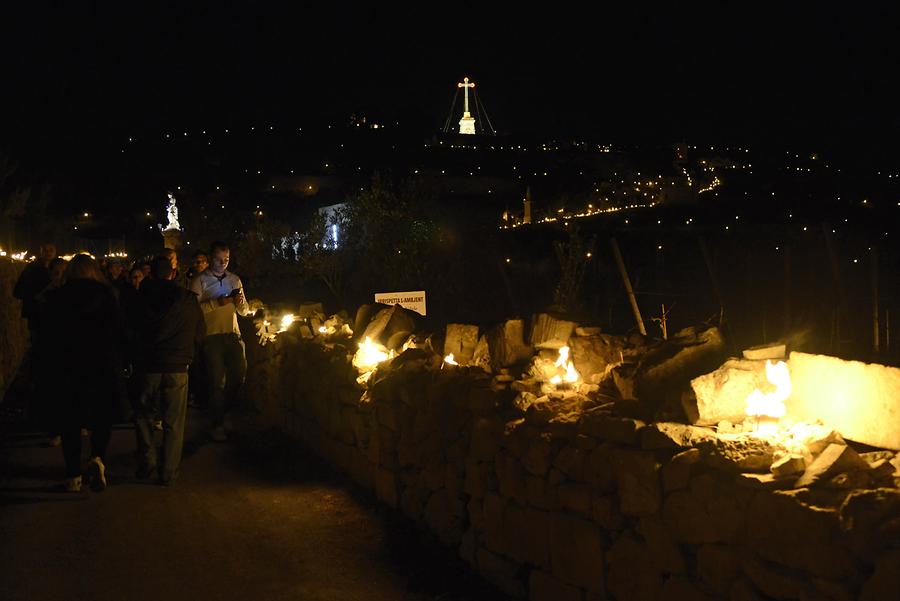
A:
[414,301]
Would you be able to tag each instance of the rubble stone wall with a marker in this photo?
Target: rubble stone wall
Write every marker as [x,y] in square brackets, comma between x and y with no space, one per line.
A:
[582,506]
[13,329]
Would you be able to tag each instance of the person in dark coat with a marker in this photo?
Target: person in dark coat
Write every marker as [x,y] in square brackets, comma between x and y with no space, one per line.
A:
[86,349]
[170,329]
[32,281]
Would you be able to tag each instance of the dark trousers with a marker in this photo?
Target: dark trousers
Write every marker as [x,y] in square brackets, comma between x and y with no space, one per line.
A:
[101,432]
[168,393]
[226,366]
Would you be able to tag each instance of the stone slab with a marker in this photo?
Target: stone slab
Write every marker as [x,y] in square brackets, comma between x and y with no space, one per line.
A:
[860,400]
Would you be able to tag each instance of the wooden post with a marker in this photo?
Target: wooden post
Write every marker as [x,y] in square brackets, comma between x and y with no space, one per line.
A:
[787,289]
[624,273]
[717,291]
[876,330]
[838,288]
[887,330]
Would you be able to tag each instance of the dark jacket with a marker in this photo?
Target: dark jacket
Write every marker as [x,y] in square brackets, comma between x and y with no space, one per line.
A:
[170,327]
[31,282]
[84,348]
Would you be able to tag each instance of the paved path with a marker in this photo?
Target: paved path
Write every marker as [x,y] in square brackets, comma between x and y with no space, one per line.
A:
[253,519]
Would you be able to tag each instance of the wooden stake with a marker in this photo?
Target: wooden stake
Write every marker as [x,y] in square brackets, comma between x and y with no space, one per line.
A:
[787,289]
[717,292]
[631,298]
[876,330]
[838,288]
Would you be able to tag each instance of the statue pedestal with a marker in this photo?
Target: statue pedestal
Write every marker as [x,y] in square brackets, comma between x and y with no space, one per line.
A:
[467,124]
[172,239]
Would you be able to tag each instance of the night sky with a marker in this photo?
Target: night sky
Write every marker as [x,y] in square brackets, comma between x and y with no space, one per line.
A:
[78,80]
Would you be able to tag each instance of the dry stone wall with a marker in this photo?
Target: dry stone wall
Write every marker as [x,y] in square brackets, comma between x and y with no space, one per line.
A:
[572,502]
[13,329]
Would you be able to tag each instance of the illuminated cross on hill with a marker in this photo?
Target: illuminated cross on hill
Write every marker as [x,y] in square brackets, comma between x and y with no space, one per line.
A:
[467,123]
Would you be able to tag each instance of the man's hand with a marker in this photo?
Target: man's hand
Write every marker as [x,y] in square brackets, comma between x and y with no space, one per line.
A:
[238,299]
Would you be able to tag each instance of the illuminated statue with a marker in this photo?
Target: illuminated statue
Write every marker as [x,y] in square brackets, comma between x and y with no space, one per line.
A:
[172,213]
[467,123]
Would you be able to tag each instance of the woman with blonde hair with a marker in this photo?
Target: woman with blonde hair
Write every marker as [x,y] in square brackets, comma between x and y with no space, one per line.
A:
[86,348]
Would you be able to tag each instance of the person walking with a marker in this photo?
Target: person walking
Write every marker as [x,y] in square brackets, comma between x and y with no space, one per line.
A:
[221,297]
[34,279]
[170,329]
[86,349]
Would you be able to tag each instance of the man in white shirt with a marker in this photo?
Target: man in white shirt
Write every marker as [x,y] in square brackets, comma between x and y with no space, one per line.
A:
[221,297]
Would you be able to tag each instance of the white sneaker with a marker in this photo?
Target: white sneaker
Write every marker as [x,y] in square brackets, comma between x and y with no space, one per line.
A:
[96,473]
[73,484]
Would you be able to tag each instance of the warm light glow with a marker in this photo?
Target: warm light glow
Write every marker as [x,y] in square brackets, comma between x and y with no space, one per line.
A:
[450,360]
[286,322]
[771,404]
[370,354]
[569,374]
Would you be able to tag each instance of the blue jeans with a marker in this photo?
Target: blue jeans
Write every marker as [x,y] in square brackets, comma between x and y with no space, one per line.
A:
[226,367]
[168,392]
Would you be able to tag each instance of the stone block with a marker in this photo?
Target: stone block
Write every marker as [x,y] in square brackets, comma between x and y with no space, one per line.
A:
[836,458]
[884,583]
[507,346]
[361,470]
[485,439]
[722,394]
[664,552]
[461,340]
[503,573]
[596,355]
[511,477]
[672,435]
[668,367]
[676,473]
[548,332]
[718,567]
[388,322]
[444,517]
[784,528]
[570,460]
[575,497]
[479,479]
[468,546]
[386,487]
[637,481]
[775,352]
[540,494]
[526,535]
[680,588]
[739,453]
[605,426]
[631,576]
[576,552]
[412,501]
[709,511]
[494,510]
[776,583]
[537,458]
[605,512]
[860,400]
[871,520]
[788,465]
[599,471]
[544,587]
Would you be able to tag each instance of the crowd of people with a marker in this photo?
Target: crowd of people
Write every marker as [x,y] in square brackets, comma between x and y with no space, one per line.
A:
[113,343]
